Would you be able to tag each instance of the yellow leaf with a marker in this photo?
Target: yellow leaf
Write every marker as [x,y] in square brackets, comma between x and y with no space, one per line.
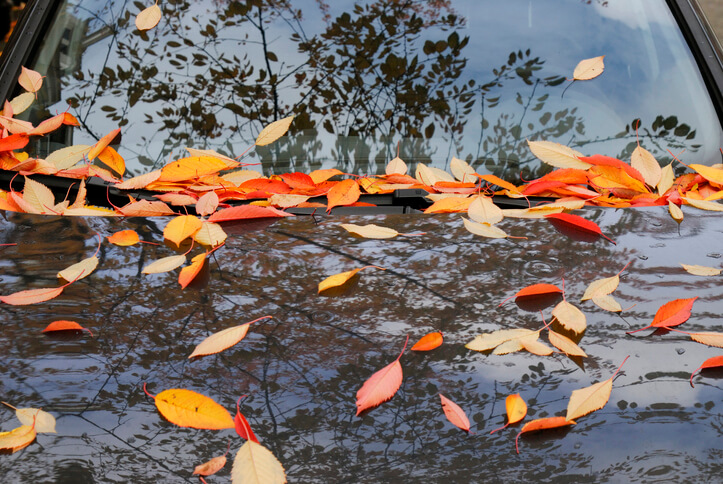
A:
[255,464]
[483,210]
[484,229]
[40,198]
[709,338]
[79,270]
[667,177]
[704,205]
[30,80]
[274,131]
[589,399]
[148,17]
[222,340]
[710,173]
[487,341]
[608,303]
[140,181]
[589,68]
[191,168]
[565,344]
[557,155]
[22,102]
[701,270]
[18,438]
[164,265]
[448,202]
[675,212]
[187,408]
[181,227]
[570,317]
[370,231]
[644,161]
[601,287]
[189,273]
[340,279]
[516,408]
[396,167]
[65,158]
[230,162]
[210,234]
[462,171]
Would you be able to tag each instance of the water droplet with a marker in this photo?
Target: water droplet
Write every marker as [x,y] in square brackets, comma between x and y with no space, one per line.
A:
[714,255]
[578,445]
[680,351]
[643,257]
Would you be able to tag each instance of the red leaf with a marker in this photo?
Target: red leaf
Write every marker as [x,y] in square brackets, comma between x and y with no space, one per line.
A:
[298,180]
[673,313]
[265,185]
[562,221]
[429,342]
[454,413]
[538,289]
[714,362]
[245,212]
[14,142]
[381,386]
[243,429]
[63,325]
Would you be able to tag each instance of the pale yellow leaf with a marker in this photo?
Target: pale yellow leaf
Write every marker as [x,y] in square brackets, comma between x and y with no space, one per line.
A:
[67,157]
[608,303]
[79,270]
[140,181]
[396,166]
[44,422]
[239,176]
[483,210]
[570,317]
[704,204]
[565,344]
[675,212]
[601,287]
[644,161]
[532,344]
[148,17]
[80,197]
[274,131]
[667,177]
[165,264]
[220,341]
[214,154]
[38,196]
[531,213]
[588,69]
[462,171]
[370,231]
[255,464]
[22,102]
[287,200]
[701,270]
[340,279]
[210,234]
[484,229]
[589,399]
[487,341]
[15,126]
[708,338]
[30,80]
[557,155]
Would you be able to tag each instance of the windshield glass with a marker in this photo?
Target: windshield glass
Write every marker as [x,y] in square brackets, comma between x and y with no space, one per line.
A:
[428,80]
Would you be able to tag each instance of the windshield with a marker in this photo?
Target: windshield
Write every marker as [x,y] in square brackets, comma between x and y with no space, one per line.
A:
[369,80]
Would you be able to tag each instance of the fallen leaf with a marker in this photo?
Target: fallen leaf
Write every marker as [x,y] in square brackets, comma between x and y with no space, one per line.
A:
[340,279]
[110,157]
[542,424]
[575,223]
[675,212]
[189,273]
[48,126]
[181,227]
[608,303]
[557,155]
[672,313]
[708,338]
[570,317]
[146,208]
[370,231]
[124,238]
[603,287]
[588,69]
[32,296]
[381,386]
[223,340]
[30,80]
[187,408]
[643,161]
[210,234]
[587,400]
[211,467]
[18,438]
[396,166]
[449,204]
[67,157]
[484,229]
[254,463]
[710,173]
[165,264]
[207,204]
[64,325]
[243,429]
[488,341]
[16,126]
[454,413]
[22,102]
[429,342]
[79,270]
[148,17]
[246,212]
[704,205]
[532,344]
[461,170]
[565,344]
[701,270]
[343,193]
[274,131]
[714,362]
[516,410]
[191,168]
[43,422]
[483,210]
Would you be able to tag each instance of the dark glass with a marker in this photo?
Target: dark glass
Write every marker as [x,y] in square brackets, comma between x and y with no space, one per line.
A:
[427,79]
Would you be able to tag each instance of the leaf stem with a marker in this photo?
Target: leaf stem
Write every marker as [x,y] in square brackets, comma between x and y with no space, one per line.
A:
[146,391]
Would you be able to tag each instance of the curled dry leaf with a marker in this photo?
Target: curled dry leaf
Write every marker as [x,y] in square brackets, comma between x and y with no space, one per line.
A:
[370,231]
[340,279]
[592,398]
[570,317]
[588,69]
[381,386]
[701,270]
[223,340]
[148,17]
[714,362]
[18,438]
[542,424]
[64,325]
[254,463]
[516,410]
[124,238]
[429,342]
[187,408]
[454,413]
[274,131]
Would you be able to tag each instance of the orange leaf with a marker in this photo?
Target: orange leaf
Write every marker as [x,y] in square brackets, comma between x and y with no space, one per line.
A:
[102,144]
[110,157]
[18,438]
[243,429]
[63,325]
[672,313]
[187,408]
[189,273]
[245,212]
[381,386]
[345,192]
[575,223]
[222,340]
[543,424]
[340,279]
[191,167]
[124,238]
[181,227]
[32,296]
[429,342]
[14,142]
[454,413]
[516,410]
[538,290]
[450,204]
[298,180]
[714,362]
[318,176]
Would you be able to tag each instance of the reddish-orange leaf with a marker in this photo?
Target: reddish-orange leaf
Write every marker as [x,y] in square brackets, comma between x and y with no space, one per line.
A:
[124,238]
[345,192]
[32,296]
[516,410]
[454,413]
[266,185]
[542,424]
[714,362]
[14,142]
[576,223]
[63,325]
[243,429]
[429,342]
[672,313]
[245,212]
[298,180]
[381,386]
[190,272]
[538,289]
[70,120]
[601,160]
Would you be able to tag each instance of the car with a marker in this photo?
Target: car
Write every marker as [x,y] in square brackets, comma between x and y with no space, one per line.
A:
[369,84]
